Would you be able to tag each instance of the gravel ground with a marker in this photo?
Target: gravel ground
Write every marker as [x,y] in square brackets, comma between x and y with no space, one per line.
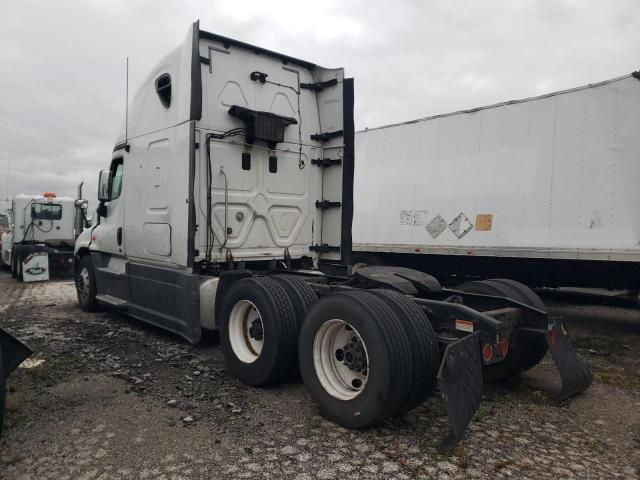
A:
[107,397]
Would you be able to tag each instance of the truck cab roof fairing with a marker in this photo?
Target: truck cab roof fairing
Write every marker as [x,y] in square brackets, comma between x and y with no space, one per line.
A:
[227,42]
[146,113]
[189,52]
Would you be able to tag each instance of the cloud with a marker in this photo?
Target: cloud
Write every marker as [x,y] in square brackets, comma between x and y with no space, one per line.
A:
[62,83]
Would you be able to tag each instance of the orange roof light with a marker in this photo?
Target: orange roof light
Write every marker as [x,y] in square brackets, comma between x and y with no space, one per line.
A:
[49,196]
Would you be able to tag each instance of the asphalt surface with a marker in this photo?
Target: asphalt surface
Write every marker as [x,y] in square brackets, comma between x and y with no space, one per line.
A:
[106,397]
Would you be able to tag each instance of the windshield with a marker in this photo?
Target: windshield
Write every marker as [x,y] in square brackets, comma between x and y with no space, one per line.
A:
[46,211]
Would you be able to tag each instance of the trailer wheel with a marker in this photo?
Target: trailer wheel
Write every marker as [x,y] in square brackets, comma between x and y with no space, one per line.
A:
[258,331]
[355,359]
[423,344]
[532,348]
[85,280]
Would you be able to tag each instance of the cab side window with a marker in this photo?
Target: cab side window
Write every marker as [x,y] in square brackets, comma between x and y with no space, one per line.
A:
[116,182]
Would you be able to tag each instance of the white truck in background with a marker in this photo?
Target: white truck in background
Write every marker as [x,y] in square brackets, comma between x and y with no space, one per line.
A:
[42,233]
[228,206]
[4,223]
[542,190]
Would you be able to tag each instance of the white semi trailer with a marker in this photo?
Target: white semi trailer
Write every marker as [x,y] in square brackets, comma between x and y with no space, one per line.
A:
[41,236]
[228,206]
[542,190]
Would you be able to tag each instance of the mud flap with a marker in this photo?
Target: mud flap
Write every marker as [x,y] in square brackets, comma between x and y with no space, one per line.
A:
[13,353]
[575,374]
[460,382]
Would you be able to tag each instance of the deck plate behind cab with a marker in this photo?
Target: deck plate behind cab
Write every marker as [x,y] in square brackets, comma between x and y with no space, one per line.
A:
[402,279]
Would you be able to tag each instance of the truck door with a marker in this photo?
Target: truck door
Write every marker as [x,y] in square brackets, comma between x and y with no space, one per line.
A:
[109,234]
[107,246]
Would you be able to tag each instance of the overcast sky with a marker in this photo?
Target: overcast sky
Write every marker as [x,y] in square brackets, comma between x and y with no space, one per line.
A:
[62,82]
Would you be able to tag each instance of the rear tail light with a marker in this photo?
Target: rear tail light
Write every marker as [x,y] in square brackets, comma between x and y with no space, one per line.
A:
[503,348]
[487,352]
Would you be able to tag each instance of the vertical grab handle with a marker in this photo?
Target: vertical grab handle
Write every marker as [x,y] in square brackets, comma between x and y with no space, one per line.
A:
[226,206]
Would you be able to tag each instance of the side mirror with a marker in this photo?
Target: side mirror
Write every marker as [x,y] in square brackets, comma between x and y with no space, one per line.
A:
[104,186]
[101,211]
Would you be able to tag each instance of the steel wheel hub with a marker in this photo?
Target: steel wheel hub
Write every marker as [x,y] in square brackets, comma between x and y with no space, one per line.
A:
[246,331]
[340,359]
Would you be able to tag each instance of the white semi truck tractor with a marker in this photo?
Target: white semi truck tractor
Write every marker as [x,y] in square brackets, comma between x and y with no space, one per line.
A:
[41,236]
[227,206]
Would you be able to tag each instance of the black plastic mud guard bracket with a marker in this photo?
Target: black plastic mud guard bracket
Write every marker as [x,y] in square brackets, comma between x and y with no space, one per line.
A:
[326,162]
[319,86]
[326,136]
[460,382]
[574,371]
[324,248]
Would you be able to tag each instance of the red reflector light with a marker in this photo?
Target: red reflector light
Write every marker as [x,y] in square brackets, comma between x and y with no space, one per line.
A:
[503,346]
[487,352]
[552,338]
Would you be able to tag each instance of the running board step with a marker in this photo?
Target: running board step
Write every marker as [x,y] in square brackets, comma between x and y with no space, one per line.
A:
[112,301]
[113,271]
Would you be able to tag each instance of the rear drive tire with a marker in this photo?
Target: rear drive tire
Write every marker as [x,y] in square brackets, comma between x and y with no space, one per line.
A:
[85,280]
[258,331]
[423,344]
[302,297]
[355,359]
[531,348]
